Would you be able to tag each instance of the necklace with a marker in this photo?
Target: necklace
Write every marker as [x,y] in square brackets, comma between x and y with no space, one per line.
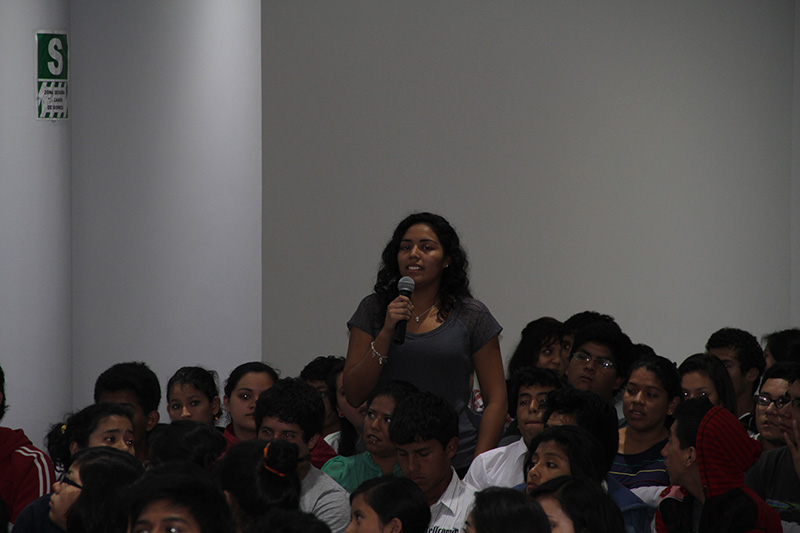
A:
[418,316]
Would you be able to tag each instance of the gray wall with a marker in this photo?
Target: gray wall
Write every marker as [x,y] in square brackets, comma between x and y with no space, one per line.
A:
[628,157]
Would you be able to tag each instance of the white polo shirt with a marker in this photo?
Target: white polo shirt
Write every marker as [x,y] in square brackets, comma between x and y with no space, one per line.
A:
[500,467]
[450,512]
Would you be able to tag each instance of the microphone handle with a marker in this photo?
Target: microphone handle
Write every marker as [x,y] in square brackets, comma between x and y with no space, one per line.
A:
[399,336]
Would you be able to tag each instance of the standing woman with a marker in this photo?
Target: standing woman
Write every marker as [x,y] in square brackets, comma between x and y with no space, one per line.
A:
[449,335]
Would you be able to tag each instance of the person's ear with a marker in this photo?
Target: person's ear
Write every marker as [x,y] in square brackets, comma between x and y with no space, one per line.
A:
[151,420]
[73,448]
[312,442]
[451,448]
[226,403]
[751,375]
[215,407]
[618,381]
[673,404]
[690,456]
[394,526]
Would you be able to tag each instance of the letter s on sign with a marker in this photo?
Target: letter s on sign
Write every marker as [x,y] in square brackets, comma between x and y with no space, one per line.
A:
[54,48]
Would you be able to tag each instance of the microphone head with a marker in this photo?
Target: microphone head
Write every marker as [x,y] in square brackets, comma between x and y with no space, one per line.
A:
[405,284]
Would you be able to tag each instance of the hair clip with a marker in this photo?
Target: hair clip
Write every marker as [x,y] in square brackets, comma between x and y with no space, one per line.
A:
[266,456]
[63,428]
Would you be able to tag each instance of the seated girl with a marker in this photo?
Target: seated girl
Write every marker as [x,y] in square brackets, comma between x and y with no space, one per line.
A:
[389,503]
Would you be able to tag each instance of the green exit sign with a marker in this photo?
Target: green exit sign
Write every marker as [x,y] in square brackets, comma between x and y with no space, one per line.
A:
[52,75]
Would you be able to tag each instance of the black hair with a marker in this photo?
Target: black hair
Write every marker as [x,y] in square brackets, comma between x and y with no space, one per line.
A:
[506,510]
[783,345]
[748,350]
[246,368]
[587,457]
[454,285]
[688,415]
[190,488]
[348,434]
[186,441]
[537,334]
[587,505]
[581,320]
[320,367]
[282,521]
[392,497]
[608,334]
[134,376]
[292,401]
[105,475]
[591,412]
[423,416]
[3,404]
[78,427]
[198,377]
[666,373]
[260,476]
[529,376]
[715,370]
[788,370]
[396,389]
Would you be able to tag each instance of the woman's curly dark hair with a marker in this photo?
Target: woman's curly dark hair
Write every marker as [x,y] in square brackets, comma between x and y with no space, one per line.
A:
[455,278]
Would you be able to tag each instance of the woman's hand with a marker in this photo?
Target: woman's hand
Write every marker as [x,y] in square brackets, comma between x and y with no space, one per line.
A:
[398,309]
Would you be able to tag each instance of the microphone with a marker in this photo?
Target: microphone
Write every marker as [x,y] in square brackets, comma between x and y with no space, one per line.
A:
[406,287]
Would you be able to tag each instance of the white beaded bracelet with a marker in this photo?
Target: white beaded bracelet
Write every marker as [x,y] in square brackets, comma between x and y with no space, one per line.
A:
[375,353]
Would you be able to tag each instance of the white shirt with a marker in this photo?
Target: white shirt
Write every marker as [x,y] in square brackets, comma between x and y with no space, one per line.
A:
[500,467]
[450,512]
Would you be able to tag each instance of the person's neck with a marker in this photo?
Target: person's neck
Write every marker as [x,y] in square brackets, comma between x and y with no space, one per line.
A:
[770,444]
[424,297]
[386,463]
[695,488]
[242,433]
[142,451]
[632,441]
[744,405]
[436,492]
[303,467]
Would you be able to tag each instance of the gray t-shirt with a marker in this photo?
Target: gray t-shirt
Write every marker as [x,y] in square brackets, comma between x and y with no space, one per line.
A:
[439,361]
[321,496]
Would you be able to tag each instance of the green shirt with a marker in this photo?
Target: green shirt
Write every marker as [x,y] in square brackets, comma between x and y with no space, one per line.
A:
[350,472]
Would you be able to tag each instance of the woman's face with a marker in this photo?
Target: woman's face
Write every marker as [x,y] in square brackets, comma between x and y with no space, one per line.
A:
[559,521]
[65,493]
[115,431]
[355,415]
[162,516]
[550,356]
[699,385]
[376,427]
[421,256]
[363,519]
[548,461]
[242,404]
[645,402]
[187,402]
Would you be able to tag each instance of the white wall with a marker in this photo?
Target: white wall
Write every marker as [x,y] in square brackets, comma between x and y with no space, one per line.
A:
[34,226]
[632,158]
[166,190]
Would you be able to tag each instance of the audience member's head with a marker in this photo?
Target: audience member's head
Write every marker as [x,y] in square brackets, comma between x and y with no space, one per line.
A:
[571,407]
[680,453]
[652,391]
[192,394]
[704,375]
[186,499]
[565,450]
[350,418]
[316,374]
[135,385]
[576,322]
[101,424]
[186,441]
[781,346]
[742,356]
[380,410]
[505,510]
[773,417]
[424,430]
[242,388]
[529,387]
[540,346]
[579,505]
[90,497]
[600,360]
[389,504]
[283,521]
[259,476]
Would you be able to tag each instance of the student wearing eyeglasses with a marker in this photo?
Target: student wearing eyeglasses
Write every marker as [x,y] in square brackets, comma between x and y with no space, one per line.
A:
[772,417]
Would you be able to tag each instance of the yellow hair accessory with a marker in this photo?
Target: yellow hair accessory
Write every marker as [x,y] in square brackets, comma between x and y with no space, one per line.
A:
[63,428]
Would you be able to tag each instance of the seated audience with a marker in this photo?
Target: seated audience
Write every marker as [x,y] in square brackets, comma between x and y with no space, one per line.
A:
[185,500]
[578,505]
[782,346]
[132,384]
[388,504]
[315,374]
[25,471]
[706,456]
[744,359]
[259,476]
[91,496]
[242,388]
[652,391]
[346,440]
[704,375]
[380,458]
[776,475]
[293,411]
[503,467]
[564,451]
[192,394]
[772,417]
[424,429]
[505,510]
[540,346]
[188,441]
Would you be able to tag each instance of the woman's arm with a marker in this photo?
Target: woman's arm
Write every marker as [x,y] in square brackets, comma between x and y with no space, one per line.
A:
[489,368]
[362,368]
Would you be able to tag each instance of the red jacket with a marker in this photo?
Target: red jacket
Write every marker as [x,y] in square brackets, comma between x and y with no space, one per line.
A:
[724,453]
[26,473]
